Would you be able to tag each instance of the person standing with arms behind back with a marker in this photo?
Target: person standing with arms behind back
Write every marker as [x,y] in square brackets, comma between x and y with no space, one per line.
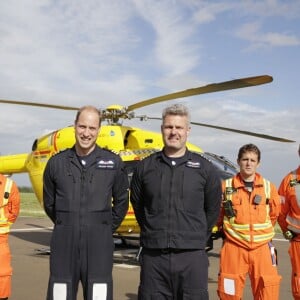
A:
[9,211]
[250,208]
[86,196]
[176,196]
[289,221]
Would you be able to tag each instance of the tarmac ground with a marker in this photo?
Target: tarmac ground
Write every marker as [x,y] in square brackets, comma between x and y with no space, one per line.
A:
[29,243]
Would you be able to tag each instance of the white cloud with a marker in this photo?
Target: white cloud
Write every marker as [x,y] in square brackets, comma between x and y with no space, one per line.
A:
[252,33]
[271,8]
[208,11]
[173,31]
[124,51]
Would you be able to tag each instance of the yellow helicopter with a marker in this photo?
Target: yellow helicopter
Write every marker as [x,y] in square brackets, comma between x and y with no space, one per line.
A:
[131,143]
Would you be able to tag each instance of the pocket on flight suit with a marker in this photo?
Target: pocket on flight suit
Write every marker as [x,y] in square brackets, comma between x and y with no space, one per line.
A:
[5,270]
[295,277]
[229,286]
[261,212]
[5,259]
[296,285]
[61,247]
[269,286]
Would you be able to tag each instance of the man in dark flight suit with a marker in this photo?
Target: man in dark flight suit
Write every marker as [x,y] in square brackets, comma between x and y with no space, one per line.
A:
[86,196]
[176,196]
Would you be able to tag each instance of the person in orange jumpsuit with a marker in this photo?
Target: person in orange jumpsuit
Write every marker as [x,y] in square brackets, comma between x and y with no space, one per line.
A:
[249,211]
[9,210]
[289,221]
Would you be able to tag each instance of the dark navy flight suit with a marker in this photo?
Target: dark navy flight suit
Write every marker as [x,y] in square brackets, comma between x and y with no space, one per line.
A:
[87,204]
[176,202]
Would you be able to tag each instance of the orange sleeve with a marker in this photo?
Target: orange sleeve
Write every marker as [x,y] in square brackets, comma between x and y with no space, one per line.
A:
[285,202]
[221,214]
[274,203]
[13,204]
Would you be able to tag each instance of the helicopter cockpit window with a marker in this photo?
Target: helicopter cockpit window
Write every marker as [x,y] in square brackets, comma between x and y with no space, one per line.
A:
[226,167]
[34,145]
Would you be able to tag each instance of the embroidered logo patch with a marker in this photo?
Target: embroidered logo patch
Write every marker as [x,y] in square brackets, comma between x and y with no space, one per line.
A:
[193,164]
[105,164]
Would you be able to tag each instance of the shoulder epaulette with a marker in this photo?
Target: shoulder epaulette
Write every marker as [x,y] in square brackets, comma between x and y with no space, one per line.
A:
[202,156]
[144,157]
[111,151]
[60,151]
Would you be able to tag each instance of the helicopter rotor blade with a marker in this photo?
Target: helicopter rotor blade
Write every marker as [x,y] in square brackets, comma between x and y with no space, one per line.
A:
[259,135]
[214,87]
[38,104]
[210,88]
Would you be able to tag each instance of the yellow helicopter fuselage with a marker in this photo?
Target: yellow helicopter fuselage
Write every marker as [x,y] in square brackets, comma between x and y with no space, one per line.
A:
[131,144]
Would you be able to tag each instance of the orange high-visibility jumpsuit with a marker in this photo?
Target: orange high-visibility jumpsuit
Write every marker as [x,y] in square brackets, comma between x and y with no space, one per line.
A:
[9,210]
[289,219]
[247,247]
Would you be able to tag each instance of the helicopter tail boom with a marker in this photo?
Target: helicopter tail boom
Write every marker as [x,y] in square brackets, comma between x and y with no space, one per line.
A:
[13,164]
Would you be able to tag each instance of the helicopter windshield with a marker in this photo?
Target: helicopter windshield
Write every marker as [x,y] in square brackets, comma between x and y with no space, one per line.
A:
[226,168]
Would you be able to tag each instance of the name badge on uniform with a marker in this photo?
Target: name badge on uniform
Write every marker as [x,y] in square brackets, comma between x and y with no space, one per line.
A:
[193,164]
[105,164]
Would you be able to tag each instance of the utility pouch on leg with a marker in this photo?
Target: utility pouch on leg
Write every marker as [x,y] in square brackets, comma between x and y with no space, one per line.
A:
[296,285]
[269,287]
[5,271]
[230,287]
[5,286]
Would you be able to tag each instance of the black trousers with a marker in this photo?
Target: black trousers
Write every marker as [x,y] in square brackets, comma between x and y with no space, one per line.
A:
[171,274]
[85,256]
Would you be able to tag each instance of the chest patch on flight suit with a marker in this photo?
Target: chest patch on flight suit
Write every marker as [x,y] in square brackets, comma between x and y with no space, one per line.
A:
[105,164]
[193,164]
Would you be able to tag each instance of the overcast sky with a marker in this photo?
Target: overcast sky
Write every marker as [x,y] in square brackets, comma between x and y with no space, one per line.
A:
[121,52]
